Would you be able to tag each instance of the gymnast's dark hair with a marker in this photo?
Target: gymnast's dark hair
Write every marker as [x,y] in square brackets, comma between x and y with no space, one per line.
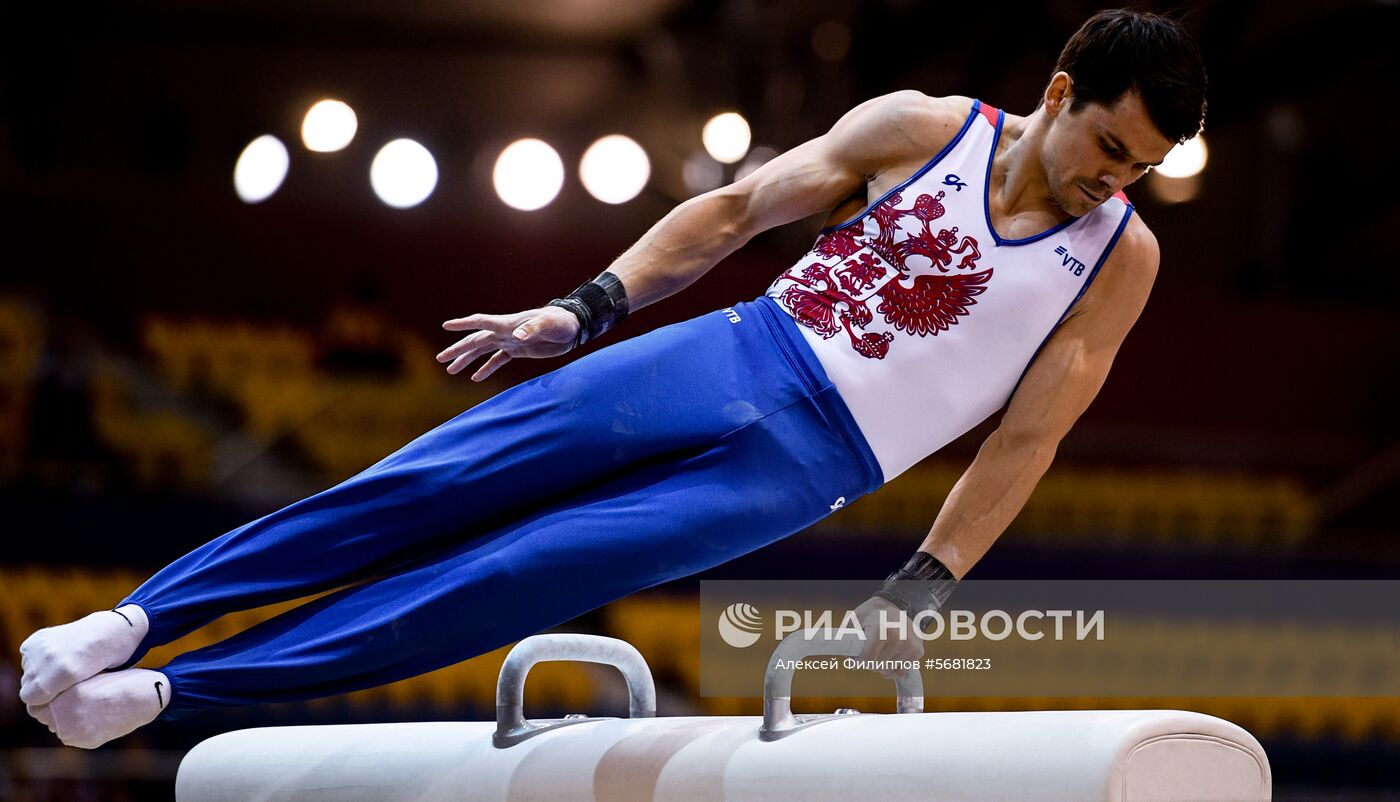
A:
[1120,49]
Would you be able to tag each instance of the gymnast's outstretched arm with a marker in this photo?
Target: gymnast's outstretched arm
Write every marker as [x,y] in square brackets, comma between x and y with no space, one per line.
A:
[693,237]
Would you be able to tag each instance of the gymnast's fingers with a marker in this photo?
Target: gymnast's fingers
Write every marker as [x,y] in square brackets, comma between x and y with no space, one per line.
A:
[497,359]
[501,324]
[461,362]
[465,345]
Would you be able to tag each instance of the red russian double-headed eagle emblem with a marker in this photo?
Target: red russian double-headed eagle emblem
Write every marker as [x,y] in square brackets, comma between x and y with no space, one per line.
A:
[830,299]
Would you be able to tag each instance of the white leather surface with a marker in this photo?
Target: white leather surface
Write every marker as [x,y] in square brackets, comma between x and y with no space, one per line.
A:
[1042,756]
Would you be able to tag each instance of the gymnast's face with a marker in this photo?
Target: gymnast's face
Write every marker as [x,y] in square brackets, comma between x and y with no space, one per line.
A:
[1092,150]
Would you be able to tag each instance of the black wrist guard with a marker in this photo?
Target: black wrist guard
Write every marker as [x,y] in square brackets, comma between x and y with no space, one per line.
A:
[922,584]
[599,304]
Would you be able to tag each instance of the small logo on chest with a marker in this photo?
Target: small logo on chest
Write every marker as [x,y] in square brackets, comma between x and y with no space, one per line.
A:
[1069,262]
[731,314]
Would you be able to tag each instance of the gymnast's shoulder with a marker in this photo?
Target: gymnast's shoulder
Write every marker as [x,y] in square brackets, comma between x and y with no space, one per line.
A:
[911,117]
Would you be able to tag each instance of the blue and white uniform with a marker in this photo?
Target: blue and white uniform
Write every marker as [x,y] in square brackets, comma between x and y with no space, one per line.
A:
[648,460]
[922,315]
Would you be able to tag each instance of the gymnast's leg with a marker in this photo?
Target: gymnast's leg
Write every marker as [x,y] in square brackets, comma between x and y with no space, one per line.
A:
[503,454]
[660,521]
[668,391]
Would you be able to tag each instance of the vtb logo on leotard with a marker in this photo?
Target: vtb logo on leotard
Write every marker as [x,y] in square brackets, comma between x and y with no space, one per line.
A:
[1074,265]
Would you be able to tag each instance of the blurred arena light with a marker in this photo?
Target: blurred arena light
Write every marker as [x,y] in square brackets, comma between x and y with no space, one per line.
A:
[1185,160]
[726,137]
[261,168]
[701,173]
[403,174]
[1178,178]
[757,157]
[614,169]
[329,126]
[528,174]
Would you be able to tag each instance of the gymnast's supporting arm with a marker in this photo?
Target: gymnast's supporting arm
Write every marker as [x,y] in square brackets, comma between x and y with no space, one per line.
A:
[1057,388]
[680,248]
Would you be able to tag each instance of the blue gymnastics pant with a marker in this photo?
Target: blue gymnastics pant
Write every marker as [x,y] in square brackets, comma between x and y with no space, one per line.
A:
[651,459]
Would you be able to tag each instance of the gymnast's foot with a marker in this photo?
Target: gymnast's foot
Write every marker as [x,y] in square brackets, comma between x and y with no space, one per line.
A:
[104,707]
[55,659]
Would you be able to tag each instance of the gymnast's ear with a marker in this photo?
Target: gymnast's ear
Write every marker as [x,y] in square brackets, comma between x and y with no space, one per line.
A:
[1058,94]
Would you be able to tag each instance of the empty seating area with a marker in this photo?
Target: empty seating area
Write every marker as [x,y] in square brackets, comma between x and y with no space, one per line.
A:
[161,446]
[1154,506]
[271,377]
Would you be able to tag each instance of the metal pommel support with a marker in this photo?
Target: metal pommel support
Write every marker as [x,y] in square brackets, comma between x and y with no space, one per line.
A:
[511,724]
[778,719]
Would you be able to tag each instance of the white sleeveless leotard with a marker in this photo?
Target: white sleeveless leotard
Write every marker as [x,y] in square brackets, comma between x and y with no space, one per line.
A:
[923,317]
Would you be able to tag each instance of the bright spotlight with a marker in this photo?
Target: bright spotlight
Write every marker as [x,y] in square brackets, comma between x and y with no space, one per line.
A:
[261,168]
[726,137]
[614,169]
[403,174]
[328,126]
[528,174]
[1184,160]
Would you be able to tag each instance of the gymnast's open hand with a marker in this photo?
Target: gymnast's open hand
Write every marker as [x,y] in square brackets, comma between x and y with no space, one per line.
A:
[543,332]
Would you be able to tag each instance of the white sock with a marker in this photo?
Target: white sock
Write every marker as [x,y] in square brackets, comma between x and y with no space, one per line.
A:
[55,659]
[107,706]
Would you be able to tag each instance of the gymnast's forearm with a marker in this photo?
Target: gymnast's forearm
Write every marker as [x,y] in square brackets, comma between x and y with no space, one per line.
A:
[681,247]
[986,499]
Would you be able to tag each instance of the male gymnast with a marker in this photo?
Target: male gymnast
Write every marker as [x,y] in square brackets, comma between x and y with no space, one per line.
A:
[973,260]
